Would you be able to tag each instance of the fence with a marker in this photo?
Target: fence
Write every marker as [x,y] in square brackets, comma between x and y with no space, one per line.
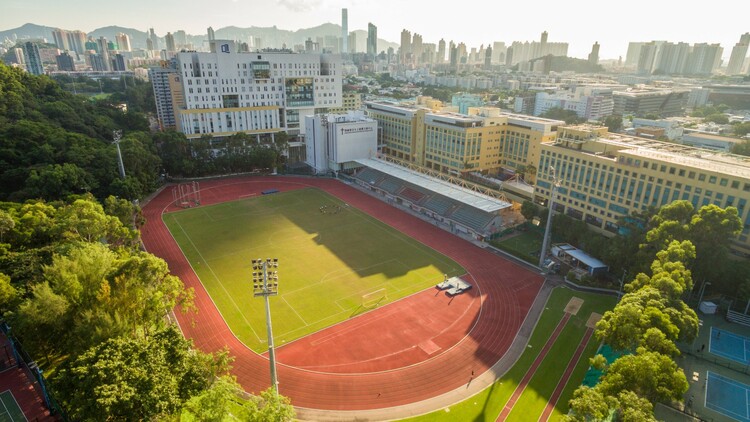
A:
[24,360]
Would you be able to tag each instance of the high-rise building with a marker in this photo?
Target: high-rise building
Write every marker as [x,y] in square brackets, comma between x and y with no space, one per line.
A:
[671,58]
[154,39]
[441,52]
[77,41]
[372,40]
[704,59]
[104,52]
[118,63]
[352,42]
[169,40]
[123,42]
[646,57]
[32,58]
[272,92]
[405,46]
[739,53]
[211,34]
[417,48]
[594,55]
[97,62]
[65,62]
[488,58]
[180,38]
[634,54]
[61,39]
[345,31]
[166,82]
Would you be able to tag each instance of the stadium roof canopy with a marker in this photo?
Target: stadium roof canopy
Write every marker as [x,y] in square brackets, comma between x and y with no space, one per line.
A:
[457,193]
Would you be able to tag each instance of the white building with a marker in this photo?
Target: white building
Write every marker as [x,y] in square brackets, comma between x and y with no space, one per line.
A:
[334,141]
[227,92]
[589,102]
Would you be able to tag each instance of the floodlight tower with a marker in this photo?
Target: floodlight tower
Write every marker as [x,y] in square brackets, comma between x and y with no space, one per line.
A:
[266,283]
[548,228]
[117,135]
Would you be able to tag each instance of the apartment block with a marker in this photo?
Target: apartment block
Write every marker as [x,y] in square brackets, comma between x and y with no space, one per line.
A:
[603,177]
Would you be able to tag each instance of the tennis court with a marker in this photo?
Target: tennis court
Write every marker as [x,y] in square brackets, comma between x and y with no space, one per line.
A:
[10,412]
[729,345]
[727,396]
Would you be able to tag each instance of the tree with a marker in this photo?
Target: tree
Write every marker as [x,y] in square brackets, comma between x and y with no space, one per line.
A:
[650,375]
[570,117]
[718,118]
[136,378]
[613,123]
[710,229]
[6,224]
[224,401]
[742,148]
[589,404]
[529,210]
[8,294]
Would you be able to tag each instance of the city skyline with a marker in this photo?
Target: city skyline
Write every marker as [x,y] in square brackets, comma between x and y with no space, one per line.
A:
[483,22]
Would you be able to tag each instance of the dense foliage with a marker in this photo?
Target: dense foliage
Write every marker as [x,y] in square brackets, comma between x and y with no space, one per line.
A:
[54,143]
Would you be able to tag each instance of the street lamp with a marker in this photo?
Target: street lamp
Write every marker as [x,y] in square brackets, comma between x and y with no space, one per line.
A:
[266,283]
[548,229]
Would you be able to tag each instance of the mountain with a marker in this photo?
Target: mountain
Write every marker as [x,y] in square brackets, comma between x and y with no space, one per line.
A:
[28,30]
[269,36]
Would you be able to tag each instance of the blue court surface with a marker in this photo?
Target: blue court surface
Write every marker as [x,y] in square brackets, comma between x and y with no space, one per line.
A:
[727,396]
[730,346]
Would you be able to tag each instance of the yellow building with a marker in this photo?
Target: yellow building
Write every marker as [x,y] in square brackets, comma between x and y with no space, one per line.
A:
[350,101]
[604,176]
[484,141]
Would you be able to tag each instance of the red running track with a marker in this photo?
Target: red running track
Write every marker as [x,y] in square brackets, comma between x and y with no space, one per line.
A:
[532,369]
[506,293]
[552,402]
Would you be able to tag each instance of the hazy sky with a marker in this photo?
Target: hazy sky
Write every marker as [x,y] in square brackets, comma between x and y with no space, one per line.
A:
[578,22]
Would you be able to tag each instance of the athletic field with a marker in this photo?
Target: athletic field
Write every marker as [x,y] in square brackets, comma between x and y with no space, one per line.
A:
[332,260]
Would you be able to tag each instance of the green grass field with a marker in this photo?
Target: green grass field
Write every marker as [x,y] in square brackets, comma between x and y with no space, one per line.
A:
[486,405]
[522,245]
[327,261]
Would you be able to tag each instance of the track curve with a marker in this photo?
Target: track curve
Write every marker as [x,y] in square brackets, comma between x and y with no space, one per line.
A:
[507,292]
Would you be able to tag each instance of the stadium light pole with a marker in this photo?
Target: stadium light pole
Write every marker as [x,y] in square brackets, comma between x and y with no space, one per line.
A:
[266,283]
[117,135]
[548,229]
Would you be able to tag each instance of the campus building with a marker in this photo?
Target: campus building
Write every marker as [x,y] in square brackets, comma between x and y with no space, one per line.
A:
[227,92]
[603,177]
[485,140]
[640,102]
[334,141]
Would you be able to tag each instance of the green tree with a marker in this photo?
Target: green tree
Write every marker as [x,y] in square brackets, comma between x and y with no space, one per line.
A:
[136,378]
[8,294]
[589,404]
[570,117]
[225,401]
[529,209]
[650,375]
[717,118]
[741,148]
[613,123]
[7,223]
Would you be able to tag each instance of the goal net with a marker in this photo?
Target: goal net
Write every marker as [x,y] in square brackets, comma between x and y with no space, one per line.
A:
[373,299]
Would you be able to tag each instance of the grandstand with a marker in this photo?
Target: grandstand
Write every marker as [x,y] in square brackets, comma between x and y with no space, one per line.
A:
[461,209]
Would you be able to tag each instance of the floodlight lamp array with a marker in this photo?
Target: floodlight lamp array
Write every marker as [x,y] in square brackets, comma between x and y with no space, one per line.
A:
[265,282]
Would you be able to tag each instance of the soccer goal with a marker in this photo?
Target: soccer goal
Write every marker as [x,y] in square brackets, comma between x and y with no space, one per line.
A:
[373,299]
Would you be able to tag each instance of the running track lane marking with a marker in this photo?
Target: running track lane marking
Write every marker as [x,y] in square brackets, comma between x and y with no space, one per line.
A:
[532,369]
[566,376]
